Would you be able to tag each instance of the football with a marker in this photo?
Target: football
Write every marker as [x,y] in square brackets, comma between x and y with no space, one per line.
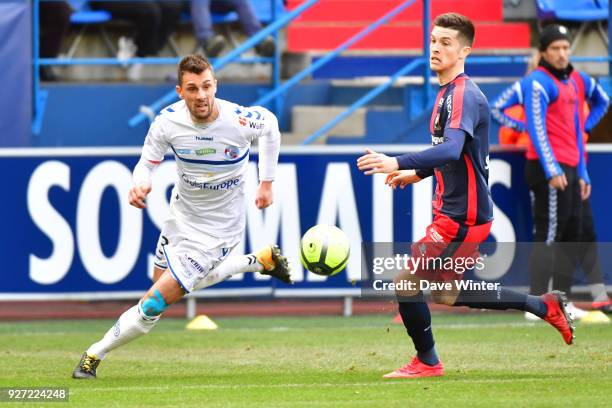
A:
[324,250]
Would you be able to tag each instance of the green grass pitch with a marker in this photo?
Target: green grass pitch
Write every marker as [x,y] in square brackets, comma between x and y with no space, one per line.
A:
[490,360]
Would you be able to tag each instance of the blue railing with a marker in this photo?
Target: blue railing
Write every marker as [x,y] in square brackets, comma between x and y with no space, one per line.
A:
[331,55]
[234,56]
[276,94]
[427,90]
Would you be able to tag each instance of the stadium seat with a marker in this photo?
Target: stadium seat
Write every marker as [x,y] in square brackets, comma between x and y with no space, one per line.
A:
[263,11]
[572,10]
[84,16]
[586,12]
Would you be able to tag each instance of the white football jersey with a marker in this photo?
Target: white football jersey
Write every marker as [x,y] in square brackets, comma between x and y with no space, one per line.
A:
[211,162]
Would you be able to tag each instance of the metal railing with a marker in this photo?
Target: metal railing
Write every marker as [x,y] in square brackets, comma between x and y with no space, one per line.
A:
[427,89]
[234,56]
[331,55]
[278,89]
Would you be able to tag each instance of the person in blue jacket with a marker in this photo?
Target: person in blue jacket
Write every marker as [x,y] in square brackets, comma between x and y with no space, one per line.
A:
[554,96]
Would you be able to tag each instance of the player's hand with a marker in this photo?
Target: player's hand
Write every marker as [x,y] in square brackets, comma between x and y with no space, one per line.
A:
[373,162]
[585,190]
[138,194]
[401,178]
[264,195]
[559,182]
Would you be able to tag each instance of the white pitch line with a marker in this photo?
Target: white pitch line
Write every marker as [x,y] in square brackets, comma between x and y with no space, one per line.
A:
[289,329]
[377,383]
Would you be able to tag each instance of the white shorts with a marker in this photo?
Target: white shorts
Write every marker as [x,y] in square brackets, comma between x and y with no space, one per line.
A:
[190,254]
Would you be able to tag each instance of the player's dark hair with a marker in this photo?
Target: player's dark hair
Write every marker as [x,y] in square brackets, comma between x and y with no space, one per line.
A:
[457,22]
[194,63]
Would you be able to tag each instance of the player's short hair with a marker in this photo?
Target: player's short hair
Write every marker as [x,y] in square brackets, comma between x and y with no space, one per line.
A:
[458,22]
[194,63]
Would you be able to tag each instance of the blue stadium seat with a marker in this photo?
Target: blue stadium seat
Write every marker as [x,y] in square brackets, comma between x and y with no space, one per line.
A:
[586,12]
[263,9]
[572,10]
[84,16]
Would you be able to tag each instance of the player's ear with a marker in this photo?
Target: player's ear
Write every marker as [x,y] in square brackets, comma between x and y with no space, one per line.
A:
[465,51]
[179,91]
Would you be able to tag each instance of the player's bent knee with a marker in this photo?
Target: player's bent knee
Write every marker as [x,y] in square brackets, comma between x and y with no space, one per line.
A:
[154,305]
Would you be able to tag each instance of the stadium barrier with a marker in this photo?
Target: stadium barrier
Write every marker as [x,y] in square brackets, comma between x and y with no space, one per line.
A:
[71,234]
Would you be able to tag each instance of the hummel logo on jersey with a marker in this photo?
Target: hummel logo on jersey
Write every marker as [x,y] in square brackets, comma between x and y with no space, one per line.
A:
[208,138]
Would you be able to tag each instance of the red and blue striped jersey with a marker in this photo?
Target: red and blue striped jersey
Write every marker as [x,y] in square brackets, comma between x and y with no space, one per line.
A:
[462,189]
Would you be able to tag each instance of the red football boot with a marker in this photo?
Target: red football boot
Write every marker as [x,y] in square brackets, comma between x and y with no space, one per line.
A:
[557,316]
[415,369]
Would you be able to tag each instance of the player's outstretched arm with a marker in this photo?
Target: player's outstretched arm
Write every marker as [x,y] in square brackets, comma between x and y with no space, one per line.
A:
[438,155]
[402,178]
[373,162]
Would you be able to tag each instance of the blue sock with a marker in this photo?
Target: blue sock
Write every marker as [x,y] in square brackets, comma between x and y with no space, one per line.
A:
[501,299]
[417,320]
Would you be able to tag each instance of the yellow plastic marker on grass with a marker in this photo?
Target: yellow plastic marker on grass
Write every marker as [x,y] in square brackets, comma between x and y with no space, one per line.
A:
[202,322]
[594,317]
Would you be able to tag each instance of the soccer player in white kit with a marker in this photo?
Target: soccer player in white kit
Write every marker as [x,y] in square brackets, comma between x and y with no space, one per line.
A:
[211,140]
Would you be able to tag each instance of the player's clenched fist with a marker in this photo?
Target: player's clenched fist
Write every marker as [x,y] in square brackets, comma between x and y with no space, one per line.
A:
[264,195]
[138,194]
[402,178]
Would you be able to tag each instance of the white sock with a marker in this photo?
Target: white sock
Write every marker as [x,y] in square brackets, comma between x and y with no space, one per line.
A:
[231,266]
[131,324]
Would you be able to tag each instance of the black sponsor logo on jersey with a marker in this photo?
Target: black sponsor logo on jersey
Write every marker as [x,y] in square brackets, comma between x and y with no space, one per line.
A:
[257,126]
[204,138]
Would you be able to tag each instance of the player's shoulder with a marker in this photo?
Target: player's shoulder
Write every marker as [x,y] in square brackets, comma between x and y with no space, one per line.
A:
[173,112]
[471,91]
[538,76]
[250,112]
[587,80]
[246,114]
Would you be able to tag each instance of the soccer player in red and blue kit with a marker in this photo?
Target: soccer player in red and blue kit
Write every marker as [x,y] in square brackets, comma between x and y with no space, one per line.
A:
[463,210]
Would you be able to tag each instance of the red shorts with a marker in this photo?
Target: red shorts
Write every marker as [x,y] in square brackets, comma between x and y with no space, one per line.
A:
[449,249]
